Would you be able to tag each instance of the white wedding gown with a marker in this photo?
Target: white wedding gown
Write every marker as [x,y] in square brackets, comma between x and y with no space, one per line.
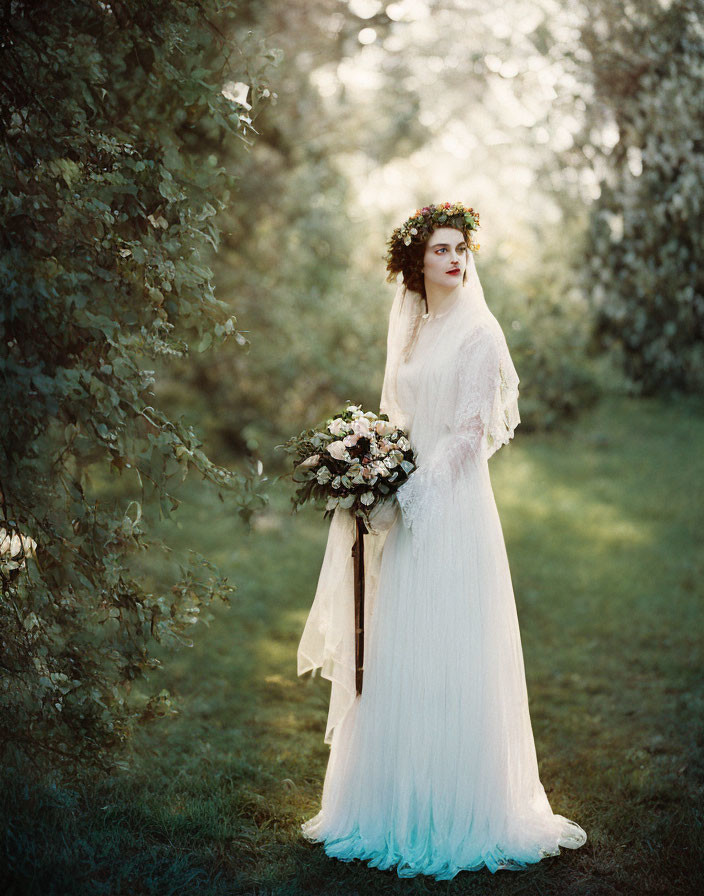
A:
[433,768]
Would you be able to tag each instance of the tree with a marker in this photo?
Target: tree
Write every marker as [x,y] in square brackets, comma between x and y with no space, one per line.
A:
[116,118]
[641,135]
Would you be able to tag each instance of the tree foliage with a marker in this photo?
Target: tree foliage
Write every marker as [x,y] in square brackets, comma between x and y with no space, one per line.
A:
[290,258]
[644,273]
[116,118]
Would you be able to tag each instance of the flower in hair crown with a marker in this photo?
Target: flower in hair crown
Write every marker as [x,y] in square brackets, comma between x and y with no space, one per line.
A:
[424,220]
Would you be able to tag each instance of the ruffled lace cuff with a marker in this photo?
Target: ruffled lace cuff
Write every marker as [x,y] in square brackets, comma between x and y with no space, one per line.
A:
[413,497]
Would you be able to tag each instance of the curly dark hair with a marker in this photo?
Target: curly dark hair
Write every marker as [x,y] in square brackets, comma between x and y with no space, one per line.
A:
[406,245]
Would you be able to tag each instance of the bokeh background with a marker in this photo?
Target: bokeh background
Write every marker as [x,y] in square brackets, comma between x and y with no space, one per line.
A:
[575,130]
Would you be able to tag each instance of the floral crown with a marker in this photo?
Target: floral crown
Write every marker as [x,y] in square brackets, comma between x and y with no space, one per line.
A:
[424,220]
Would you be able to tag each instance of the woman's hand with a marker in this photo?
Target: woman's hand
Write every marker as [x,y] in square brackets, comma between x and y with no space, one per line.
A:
[383,516]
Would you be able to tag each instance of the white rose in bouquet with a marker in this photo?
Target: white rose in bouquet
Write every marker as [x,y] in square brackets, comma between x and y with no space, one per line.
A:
[384,427]
[361,427]
[338,427]
[338,450]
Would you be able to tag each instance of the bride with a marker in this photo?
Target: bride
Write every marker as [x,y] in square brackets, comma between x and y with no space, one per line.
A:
[432,768]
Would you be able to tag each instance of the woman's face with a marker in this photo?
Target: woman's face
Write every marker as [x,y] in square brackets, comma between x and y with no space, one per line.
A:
[445,259]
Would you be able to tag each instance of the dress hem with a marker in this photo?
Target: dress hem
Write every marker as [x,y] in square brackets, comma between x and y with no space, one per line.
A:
[347,849]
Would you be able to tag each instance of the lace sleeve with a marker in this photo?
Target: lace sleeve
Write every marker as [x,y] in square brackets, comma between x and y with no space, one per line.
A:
[465,443]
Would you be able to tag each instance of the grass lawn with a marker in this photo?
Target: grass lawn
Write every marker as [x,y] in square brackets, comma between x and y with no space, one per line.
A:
[603,526]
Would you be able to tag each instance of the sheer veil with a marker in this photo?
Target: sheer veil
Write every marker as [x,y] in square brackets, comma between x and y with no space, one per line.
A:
[405,311]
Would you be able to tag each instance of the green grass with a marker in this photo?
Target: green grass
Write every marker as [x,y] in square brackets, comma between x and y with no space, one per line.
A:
[603,528]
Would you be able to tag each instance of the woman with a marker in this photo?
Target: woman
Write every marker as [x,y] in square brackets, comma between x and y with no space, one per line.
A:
[433,768]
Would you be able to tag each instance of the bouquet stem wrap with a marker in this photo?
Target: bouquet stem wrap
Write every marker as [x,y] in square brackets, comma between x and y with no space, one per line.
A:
[358,555]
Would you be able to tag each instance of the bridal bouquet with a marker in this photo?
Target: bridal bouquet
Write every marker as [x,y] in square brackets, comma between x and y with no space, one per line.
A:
[354,460]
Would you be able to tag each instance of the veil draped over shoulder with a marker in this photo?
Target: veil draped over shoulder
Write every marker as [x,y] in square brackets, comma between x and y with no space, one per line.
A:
[327,642]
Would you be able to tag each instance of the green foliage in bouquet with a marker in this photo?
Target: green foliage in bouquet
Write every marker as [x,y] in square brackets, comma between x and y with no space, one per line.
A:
[353,461]
[114,116]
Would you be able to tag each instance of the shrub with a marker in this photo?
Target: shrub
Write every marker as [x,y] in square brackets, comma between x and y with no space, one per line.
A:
[115,114]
